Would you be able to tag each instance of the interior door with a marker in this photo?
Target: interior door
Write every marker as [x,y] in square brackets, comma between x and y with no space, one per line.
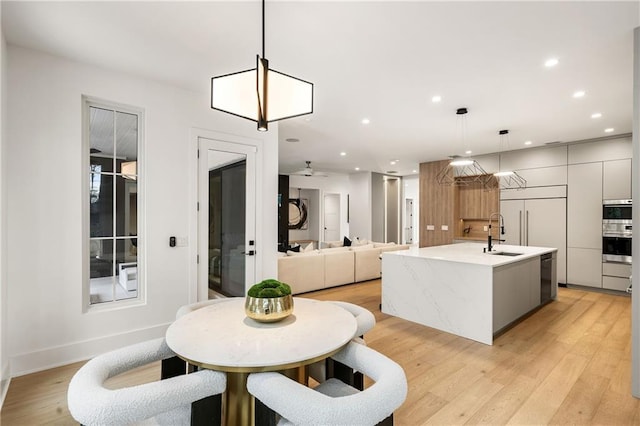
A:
[331,217]
[408,221]
[546,223]
[226,218]
[512,211]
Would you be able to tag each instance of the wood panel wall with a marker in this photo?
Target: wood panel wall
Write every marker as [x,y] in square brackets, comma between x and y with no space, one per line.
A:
[437,203]
[456,207]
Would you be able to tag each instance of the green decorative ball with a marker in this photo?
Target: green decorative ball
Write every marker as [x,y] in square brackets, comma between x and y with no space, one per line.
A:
[269,288]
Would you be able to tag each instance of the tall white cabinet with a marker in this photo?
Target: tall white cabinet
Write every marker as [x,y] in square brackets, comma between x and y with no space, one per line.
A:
[539,222]
[584,229]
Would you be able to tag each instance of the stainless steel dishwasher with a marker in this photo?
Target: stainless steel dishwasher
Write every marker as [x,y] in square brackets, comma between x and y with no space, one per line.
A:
[546,277]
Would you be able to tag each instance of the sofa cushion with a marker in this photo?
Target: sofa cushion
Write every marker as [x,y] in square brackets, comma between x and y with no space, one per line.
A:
[368,264]
[362,247]
[302,253]
[376,245]
[334,249]
[339,267]
[303,272]
[333,244]
[346,242]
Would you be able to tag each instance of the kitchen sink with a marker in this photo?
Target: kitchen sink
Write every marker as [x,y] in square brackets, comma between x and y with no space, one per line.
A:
[504,253]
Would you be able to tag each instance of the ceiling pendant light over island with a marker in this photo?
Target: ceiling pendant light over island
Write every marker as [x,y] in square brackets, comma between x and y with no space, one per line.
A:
[508,179]
[462,171]
[261,94]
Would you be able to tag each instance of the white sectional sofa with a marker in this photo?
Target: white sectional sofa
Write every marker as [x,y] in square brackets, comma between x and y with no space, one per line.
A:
[329,267]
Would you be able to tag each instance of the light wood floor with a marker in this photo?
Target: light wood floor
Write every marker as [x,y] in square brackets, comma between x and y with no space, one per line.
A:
[569,363]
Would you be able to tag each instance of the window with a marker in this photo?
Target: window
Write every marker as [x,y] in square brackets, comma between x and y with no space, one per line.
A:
[113,135]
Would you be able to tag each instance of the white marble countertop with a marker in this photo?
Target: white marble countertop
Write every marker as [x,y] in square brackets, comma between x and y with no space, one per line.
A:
[222,336]
[471,253]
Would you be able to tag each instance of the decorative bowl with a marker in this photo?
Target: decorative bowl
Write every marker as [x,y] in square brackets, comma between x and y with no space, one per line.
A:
[268,309]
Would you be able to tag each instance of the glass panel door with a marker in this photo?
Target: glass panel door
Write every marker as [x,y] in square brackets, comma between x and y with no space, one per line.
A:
[227,228]
[227,225]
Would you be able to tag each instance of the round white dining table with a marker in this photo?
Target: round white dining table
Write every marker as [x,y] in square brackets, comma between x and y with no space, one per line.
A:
[221,337]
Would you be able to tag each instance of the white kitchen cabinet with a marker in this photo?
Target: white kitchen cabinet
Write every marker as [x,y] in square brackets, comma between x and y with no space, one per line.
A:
[545,176]
[534,158]
[615,276]
[516,291]
[584,267]
[616,180]
[584,206]
[615,283]
[538,223]
[603,150]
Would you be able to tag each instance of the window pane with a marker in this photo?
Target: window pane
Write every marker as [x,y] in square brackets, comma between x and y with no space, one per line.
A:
[101,270]
[126,207]
[126,259]
[100,205]
[126,136]
[101,134]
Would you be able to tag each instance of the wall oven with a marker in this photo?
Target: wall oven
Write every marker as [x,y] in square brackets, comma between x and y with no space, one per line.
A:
[616,231]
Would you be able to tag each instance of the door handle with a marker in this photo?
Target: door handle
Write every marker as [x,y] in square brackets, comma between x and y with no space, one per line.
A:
[250,253]
[519,227]
[527,228]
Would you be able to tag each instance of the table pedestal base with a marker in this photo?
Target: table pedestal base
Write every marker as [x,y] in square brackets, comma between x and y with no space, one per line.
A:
[239,406]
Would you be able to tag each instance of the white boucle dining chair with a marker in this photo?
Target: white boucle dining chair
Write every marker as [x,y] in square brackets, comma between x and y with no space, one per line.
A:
[175,401]
[328,368]
[334,402]
[175,366]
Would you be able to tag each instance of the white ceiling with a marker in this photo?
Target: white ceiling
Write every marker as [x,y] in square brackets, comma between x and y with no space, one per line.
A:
[379,60]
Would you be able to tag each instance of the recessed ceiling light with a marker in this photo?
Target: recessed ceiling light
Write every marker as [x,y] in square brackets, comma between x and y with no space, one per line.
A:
[366,121]
[551,62]
[528,142]
[436,99]
[596,115]
[579,94]
[343,153]
[393,162]
[609,130]
[357,168]
[292,140]
[468,152]
[414,171]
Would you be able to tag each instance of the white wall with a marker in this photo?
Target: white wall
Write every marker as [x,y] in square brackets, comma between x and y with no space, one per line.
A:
[44,206]
[4,359]
[333,184]
[360,205]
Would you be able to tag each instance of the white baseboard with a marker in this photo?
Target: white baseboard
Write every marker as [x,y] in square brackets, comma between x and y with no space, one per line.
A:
[57,356]
[5,379]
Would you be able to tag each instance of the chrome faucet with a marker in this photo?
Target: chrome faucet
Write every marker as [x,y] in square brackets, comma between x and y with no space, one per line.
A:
[500,224]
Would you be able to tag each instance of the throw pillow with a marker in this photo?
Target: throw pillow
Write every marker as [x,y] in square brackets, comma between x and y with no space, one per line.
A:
[333,244]
[346,242]
[360,242]
[295,248]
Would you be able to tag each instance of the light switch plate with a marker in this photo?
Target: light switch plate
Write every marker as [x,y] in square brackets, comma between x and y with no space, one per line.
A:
[445,227]
[485,228]
[431,228]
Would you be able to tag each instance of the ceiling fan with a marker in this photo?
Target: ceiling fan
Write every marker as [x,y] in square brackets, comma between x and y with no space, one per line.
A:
[308,171]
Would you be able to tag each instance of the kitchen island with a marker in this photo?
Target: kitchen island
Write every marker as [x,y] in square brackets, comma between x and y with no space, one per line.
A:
[461,290]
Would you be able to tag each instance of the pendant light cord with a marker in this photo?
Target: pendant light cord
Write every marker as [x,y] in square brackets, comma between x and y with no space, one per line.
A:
[263,56]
